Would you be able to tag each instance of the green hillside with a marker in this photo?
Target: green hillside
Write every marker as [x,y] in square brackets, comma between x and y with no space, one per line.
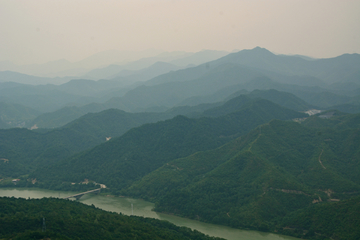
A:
[333,119]
[336,220]
[141,150]
[256,180]
[28,150]
[64,219]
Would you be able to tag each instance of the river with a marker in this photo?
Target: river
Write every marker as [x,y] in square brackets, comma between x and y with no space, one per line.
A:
[139,207]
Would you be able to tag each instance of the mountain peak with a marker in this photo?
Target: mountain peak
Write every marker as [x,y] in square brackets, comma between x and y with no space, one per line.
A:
[257,50]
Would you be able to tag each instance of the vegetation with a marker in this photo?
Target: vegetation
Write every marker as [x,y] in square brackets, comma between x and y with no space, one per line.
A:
[121,161]
[259,179]
[64,219]
[25,150]
[336,220]
[230,164]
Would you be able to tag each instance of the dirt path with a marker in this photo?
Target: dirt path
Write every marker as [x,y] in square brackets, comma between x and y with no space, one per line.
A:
[320,159]
[251,144]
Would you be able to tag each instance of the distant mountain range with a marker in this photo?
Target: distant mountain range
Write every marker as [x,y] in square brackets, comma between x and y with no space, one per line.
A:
[226,141]
[321,83]
[95,66]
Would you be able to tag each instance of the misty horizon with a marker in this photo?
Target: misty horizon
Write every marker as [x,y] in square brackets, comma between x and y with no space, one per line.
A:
[44,31]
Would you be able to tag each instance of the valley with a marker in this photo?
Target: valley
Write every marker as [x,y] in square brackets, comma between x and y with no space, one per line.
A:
[252,142]
[144,209]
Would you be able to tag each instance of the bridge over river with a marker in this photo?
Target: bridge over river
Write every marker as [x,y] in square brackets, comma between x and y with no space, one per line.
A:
[79,195]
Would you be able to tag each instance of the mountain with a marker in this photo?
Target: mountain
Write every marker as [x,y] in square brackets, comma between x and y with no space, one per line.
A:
[176,60]
[10,76]
[143,149]
[42,100]
[145,74]
[122,73]
[241,70]
[323,99]
[297,70]
[329,70]
[63,116]
[199,58]
[112,122]
[174,92]
[261,179]
[43,147]
[50,97]
[289,73]
[67,114]
[85,87]
[284,99]
[26,150]
[63,68]
[15,115]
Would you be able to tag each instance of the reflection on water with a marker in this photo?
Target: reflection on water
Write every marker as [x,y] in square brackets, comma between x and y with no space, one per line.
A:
[143,208]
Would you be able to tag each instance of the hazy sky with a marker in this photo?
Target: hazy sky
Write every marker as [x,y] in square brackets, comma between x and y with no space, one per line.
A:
[37,31]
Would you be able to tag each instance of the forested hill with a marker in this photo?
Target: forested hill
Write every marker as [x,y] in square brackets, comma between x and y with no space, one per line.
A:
[25,150]
[64,219]
[141,150]
[278,171]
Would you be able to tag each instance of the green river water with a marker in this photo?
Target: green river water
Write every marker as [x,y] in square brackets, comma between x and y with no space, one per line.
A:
[143,208]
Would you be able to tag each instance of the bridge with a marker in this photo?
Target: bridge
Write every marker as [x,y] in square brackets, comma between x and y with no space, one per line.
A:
[79,195]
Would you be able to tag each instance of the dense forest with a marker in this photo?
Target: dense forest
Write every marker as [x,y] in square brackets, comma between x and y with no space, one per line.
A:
[258,179]
[51,218]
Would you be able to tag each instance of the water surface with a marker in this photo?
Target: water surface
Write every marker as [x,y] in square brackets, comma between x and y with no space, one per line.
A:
[129,206]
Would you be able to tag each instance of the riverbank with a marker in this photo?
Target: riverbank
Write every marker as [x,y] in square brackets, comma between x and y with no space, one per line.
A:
[129,206]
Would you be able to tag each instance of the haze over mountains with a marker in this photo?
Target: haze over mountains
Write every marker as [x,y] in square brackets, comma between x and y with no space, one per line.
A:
[160,86]
[248,139]
[108,63]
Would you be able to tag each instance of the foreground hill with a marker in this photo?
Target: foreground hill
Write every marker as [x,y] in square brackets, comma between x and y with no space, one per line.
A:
[23,219]
[259,179]
[123,160]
